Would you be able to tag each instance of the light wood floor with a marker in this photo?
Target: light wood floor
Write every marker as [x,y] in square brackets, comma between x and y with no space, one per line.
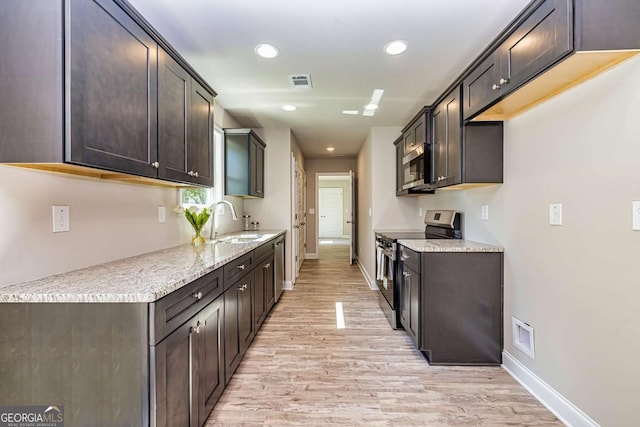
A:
[302,370]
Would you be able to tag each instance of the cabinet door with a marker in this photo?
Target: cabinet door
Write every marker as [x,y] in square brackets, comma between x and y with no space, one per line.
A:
[176,373]
[200,136]
[259,171]
[112,90]
[413,279]
[447,141]
[409,140]
[239,330]
[174,104]
[405,299]
[399,168]
[482,87]
[210,357]
[269,278]
[256,168]
[536,44]
[246,329]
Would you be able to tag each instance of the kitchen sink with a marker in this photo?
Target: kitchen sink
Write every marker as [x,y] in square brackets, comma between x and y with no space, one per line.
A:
[244,238]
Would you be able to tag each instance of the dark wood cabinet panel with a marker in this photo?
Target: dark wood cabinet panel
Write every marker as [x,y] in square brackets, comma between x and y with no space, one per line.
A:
[537,43]
[244,163]
[264,290]
[415,135]
[238,319]
[447,142]
[399,170]
[481,87]
[210,358]
[112,95]
[461,307]
[200,141]
[409,277]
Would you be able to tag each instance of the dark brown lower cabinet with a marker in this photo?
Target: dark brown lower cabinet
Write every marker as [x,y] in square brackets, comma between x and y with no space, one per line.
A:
[239,328]
[189,369]
[410,301]
[264,291]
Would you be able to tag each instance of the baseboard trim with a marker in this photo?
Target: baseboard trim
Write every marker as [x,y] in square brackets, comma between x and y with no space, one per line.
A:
[562,408]
[311,256]
[370,281]
[288,286]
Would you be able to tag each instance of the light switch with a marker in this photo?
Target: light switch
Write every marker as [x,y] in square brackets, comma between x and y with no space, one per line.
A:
[636,214]
[555,214]
[370,212]
[312,211]
[162,214]
[485,212]
[420,212]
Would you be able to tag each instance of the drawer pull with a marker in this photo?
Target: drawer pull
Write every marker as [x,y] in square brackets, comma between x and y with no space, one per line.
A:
[240,267]
[267,266]
[243,287]
[197,295]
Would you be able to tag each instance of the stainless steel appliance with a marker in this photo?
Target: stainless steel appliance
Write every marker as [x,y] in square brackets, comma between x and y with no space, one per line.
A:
[279,267]
[439,224]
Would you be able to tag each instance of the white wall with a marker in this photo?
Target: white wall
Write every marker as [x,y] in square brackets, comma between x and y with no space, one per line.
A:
[274,210]
[578,284]
[376,190]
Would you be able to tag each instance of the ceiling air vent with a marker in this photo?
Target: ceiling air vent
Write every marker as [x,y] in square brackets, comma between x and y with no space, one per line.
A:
[300,81]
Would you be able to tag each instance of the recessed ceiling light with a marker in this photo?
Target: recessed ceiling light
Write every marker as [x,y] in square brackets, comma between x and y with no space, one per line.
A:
[266,50]
[350,112]
[289,107]
[395,47]
[330,149]
[370,106]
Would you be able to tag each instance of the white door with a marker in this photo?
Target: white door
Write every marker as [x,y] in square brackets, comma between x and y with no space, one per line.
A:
[295,228]
[331,213]
[302,216]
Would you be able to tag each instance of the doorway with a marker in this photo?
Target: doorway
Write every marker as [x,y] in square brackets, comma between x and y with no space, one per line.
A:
[335,216]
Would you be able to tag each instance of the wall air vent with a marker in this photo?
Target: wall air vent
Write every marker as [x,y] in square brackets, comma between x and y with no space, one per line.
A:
[300,81]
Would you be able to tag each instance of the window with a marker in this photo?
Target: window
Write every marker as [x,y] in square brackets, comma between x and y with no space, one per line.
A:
[202,197]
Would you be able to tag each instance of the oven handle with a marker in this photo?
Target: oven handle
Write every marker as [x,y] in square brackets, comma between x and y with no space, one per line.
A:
[386,251]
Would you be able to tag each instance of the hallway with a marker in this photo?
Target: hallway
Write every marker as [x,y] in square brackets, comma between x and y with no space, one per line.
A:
[302,370]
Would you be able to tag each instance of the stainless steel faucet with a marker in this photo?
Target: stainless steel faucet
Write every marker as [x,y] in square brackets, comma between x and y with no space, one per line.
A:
[214,234]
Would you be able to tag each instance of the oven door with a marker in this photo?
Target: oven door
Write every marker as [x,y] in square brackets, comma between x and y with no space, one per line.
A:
[385,272]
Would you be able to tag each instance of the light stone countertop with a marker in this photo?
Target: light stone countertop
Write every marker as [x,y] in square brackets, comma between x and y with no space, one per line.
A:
[139,279]
[448,245]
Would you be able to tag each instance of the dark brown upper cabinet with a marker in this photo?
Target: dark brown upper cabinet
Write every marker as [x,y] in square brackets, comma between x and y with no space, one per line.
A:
[447,141]
[244,163]
[87,95]
[551,46]
[185,131]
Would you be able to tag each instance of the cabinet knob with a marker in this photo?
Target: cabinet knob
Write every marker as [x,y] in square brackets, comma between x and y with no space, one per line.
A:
[155,165]
[240,267]
[197,295]
[196,328]
[195,174]
[405,274]
[267,265]
[503,81]
[495,87]
[190,173]
[243,287]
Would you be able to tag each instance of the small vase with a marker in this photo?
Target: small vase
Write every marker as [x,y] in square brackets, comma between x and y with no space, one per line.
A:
[197,240]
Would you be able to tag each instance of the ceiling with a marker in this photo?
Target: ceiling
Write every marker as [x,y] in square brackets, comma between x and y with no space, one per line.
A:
[340,44]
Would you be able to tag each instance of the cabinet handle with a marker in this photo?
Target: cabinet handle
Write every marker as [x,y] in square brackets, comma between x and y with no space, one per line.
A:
[195,174]
[240,267]
[495,87]
[405,274]
[197,295]
[190,173]
[267,265]
[243,287]
[155,165]
[196,328]
[503,81]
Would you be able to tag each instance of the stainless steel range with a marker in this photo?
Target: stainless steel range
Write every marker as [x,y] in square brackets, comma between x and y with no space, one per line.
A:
[439,224]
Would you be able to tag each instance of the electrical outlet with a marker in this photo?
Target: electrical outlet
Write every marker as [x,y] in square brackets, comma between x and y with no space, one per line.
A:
[485,212]
[162,214]
[635,205]
[555,214]
[370,212]
[420,212]
[60,219]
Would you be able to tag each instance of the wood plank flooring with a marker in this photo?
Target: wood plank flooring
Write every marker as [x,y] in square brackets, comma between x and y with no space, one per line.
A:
[302,370]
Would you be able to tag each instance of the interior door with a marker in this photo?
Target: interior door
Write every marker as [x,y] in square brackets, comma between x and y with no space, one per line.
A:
[295,227]
[302,221]
[352,220]
[331,213]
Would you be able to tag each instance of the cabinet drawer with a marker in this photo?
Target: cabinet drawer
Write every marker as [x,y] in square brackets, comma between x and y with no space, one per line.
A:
[263,251]
[410,258]
[172,310]
[238,267]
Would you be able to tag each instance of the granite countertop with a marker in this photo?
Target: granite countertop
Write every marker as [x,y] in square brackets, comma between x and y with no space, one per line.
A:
[139,279]
[448,245]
